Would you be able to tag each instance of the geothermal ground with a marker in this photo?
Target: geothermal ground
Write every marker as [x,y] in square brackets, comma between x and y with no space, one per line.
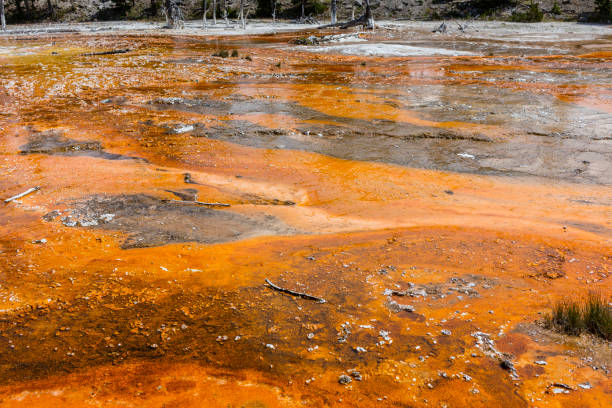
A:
[432,194]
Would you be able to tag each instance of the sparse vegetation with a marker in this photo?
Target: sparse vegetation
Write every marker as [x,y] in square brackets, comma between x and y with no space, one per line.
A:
[532,15]
[221,53]
[303,8]
[556,10]
[225,54]
[604,10]
[484,5]
[591,315]
[432,14]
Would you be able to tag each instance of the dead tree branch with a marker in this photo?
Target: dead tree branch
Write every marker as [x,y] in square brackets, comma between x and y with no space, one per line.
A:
[2,18]
[91,54]
[20,195]
[294,293]
[197,203]
[441,29]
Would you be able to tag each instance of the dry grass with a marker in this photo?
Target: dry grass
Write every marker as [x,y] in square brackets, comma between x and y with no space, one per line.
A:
[592,314]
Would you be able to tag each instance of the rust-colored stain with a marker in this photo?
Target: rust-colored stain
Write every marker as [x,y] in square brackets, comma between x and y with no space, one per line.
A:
[437,237]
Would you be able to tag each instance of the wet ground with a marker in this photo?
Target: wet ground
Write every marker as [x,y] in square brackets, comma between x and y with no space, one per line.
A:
[439,192]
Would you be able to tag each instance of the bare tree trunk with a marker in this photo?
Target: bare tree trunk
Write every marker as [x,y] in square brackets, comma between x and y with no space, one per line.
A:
[303,14]
[205,10]
[28,8]
[368,15]
[333,11]
[273,11]
[352,9]
[366,20]
[214,12]
[242,14]
[2,19]
[225,13]
[174,15]
[169,13]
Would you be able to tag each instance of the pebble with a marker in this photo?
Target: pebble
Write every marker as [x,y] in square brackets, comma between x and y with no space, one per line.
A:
[446,332]
[345,379]
[585,386]
[507,365]
[384,334]
[541,362]
[183,129]
[106,217]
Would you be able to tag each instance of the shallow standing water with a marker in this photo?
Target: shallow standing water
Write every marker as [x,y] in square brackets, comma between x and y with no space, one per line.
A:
[439,192]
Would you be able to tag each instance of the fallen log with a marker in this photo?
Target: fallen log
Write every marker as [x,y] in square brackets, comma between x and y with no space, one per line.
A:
[197,203]
[365,20]
[562,385]
[20,195]
[121,51]
[294,293]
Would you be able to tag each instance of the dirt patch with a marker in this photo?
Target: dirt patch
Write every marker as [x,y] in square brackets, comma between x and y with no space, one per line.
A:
[149,221]
[592,351]
[464,285]
[186,194]
[255,199]
[180,326]
[54,143]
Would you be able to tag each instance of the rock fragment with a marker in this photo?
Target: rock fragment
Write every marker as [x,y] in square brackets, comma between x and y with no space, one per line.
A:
[345,379]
